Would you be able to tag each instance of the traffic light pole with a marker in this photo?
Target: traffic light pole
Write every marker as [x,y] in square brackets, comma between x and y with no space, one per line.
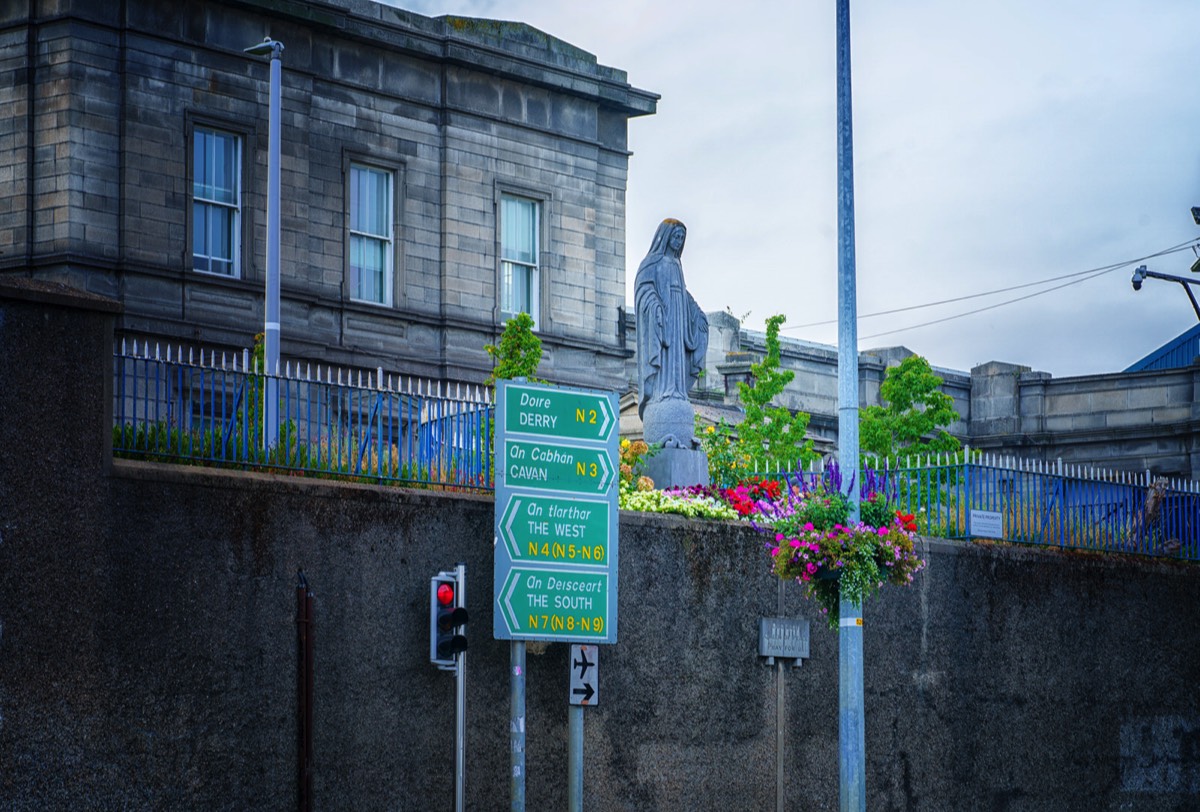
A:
[460,708]
[448,619]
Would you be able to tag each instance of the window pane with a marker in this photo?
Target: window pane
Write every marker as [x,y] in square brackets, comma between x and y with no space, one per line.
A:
[200,234]
[212,238]
[370,201]
[221,238]
[200,164]
[215,169]
[368,269]
[515,295]
[224,168]
[518,229]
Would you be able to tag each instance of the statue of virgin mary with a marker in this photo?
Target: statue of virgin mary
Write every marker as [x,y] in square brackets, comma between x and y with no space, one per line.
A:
[672,339]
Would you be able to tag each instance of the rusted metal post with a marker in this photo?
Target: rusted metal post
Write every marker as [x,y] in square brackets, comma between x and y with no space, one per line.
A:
[304,693]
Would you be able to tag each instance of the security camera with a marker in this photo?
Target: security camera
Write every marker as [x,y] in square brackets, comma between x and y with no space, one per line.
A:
[1138,276]
[1196,214]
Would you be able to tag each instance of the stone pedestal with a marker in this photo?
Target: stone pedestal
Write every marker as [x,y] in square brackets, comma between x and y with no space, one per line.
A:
[677,467]
[669,422]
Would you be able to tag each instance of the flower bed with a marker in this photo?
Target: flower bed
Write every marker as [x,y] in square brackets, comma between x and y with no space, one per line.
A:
[807,521]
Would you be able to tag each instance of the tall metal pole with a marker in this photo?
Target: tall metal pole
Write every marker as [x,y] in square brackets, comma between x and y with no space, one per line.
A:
[516,697]
[575,758]
[851,734]
[274,49]
[271,326]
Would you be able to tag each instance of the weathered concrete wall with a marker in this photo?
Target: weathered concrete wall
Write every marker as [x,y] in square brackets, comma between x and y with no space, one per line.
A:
[55,441]
[147,646]
[164,668]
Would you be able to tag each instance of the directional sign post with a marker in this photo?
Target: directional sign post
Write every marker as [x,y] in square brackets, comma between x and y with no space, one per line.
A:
[557,477]
[555,576]
[584,665]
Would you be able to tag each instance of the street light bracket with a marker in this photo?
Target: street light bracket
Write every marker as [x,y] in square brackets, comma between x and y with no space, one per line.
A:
[268,47]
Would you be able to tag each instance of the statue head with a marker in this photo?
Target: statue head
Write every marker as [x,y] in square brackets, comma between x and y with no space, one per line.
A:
[669,237]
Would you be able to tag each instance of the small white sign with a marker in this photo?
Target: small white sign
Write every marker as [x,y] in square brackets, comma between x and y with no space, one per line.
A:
[585,662]
[987,524]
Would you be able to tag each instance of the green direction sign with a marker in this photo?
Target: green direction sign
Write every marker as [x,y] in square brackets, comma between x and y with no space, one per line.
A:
[555,529]
[555,556]
[548,466]
[546,603]
[564,413]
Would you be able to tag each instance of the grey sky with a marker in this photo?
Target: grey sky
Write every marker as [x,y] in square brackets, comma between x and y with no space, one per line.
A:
[995,144]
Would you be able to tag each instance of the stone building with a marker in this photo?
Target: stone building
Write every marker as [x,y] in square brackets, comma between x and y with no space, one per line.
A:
[1145,418]
[437,176]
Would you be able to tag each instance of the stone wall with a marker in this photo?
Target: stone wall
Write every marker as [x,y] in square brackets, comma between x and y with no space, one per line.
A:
[148,645]
[1130,421]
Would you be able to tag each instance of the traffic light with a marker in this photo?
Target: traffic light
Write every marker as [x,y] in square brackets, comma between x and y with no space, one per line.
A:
[447,620]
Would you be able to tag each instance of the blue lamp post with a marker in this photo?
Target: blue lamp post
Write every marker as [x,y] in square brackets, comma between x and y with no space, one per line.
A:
[851,722]
[273,49]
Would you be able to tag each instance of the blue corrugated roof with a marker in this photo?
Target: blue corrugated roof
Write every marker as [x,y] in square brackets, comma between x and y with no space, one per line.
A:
[1180,351]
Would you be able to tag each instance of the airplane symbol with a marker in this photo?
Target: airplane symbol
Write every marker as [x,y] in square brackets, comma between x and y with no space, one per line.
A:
[582,664]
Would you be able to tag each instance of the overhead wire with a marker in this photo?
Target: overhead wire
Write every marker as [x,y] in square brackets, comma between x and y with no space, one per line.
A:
[1076,277]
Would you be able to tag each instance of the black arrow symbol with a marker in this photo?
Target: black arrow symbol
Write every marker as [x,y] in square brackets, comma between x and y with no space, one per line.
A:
[582,664]
[587,691]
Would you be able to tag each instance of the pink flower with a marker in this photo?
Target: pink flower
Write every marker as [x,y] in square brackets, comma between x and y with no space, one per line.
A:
[809,526]
[795,542]
[774,551]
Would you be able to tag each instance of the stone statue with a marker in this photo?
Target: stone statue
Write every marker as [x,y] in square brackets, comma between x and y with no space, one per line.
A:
[672,339]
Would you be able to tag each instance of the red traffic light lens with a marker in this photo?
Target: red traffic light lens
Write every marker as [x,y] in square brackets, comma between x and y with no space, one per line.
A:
[445,594]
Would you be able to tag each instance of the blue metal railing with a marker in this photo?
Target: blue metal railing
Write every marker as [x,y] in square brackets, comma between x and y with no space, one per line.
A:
[973,495]
[367,426]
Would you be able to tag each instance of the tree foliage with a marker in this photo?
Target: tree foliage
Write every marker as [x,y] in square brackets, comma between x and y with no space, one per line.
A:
[913,417]
[772,431]
[518,353]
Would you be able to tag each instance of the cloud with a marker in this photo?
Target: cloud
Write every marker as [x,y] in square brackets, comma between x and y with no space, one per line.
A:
[994,144]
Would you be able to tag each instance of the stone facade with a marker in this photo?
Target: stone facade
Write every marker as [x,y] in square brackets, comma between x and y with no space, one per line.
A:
[1129,421]
[102,102]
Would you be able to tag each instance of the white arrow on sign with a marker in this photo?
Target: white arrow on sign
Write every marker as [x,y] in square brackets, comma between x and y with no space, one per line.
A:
[608,417]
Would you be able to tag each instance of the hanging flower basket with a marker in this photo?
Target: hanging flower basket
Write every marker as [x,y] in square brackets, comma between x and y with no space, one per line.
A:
[851,561]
